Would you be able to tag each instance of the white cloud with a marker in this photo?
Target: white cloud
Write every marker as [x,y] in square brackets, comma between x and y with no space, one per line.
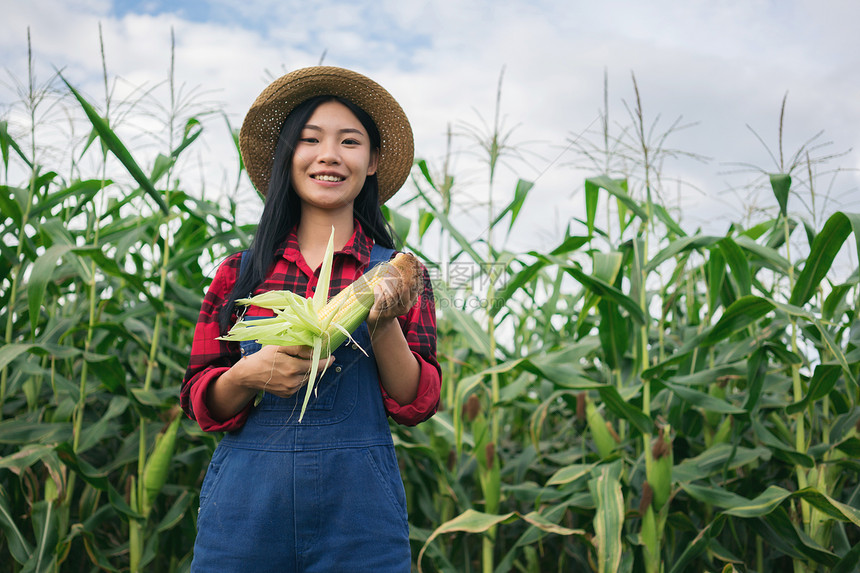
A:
[723,65]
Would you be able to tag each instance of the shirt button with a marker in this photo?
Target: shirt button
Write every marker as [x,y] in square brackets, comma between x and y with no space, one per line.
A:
[337,368]
[354,346]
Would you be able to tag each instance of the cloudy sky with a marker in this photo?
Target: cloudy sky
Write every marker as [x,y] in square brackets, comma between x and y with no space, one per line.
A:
[721,66]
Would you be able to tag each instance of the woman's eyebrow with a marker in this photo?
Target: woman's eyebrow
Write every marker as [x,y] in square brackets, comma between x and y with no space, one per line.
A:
[344,130]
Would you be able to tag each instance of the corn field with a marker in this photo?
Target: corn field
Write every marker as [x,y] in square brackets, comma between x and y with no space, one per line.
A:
[640,398]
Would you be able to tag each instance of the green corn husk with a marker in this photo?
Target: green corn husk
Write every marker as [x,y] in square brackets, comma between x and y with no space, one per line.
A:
[318,323]
[599,432]
[296,322]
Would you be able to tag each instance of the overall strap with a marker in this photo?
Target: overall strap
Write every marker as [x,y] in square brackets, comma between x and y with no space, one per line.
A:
[379,254]
[243,263]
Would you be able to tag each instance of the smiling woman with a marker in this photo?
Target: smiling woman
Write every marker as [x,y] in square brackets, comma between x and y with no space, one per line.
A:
[331,161]
[313,146]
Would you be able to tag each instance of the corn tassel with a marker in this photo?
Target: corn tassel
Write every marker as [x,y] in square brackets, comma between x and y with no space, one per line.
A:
[319,323]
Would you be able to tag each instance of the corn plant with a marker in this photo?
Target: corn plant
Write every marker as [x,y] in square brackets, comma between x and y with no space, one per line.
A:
[672,401]
[103,260]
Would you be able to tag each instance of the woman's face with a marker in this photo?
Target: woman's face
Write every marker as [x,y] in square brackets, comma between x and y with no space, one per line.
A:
[332,159]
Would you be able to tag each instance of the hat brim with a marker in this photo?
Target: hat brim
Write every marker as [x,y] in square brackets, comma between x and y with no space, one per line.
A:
[259,134]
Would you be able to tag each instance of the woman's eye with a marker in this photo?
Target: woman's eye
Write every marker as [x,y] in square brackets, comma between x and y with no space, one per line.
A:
[308,140]
[351,142]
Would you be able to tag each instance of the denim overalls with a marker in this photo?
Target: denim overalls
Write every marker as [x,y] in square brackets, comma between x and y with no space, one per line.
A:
[321,496]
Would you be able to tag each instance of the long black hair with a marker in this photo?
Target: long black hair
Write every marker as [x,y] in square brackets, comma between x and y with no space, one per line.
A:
[283,209]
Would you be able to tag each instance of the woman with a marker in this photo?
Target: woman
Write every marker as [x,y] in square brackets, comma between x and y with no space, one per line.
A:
[327,147]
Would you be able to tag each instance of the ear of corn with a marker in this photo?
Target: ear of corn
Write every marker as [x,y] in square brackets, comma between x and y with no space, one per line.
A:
[319,323]
[659,474]
[597,424]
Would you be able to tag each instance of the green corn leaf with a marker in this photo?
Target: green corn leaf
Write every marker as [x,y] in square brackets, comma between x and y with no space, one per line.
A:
[743,312]
[177,511]
[425,171]
[781,184]
[623,409]
[823,380]
[830,506]
[849,561]
[96,478]
[470,521]
[716,274]
[45,526]
[767,255]
[23,431]
[569,244]
[425,219]
[715,459]
[523,278]
[605,290]
[400,223]
[538,520]
[613,332]
[710,375]
[825,247]
[592,194]
[116,147]
[783,534]
[569,474]
[763,504]
[82,191]
[667,220]
[738,264]
[679,246]
[698,545]
[520,194]
[7,142]
[11,199]
[703,400]
[19,547]
[461,240]
[10,352]
[779,448]
[835,299]
[193,129]
[606,266]
[713,495]
[474,335]
[609,517]
[615,188]
[756,372]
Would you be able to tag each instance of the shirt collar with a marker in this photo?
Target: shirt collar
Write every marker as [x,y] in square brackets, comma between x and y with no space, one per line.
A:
[358,246]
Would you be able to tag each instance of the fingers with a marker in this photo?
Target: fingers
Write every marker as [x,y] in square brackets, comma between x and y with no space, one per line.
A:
[281,370]
[303,352]
[391,299]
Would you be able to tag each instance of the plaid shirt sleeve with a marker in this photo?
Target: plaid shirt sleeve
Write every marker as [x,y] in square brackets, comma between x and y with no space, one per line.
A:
[419,328]
[211,357]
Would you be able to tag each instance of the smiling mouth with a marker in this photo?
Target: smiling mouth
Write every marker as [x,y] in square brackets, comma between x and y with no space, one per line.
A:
[330,178]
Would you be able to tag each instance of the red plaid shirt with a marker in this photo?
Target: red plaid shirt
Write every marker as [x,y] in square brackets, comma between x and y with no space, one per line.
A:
[210,357]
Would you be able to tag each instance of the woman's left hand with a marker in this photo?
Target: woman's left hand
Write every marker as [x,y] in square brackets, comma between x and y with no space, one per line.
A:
[391,299]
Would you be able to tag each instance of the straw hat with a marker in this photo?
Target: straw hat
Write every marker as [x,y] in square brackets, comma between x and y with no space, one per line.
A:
[259,134]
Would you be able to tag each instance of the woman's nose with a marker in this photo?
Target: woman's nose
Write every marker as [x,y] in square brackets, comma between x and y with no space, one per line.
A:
[328,152]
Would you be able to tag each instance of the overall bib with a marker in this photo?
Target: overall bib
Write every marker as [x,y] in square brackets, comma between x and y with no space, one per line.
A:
[320,496]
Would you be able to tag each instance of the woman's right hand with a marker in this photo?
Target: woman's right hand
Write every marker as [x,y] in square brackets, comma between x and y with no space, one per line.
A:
[279,370]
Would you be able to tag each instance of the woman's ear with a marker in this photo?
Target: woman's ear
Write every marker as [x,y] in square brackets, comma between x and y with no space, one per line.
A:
[374,161]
